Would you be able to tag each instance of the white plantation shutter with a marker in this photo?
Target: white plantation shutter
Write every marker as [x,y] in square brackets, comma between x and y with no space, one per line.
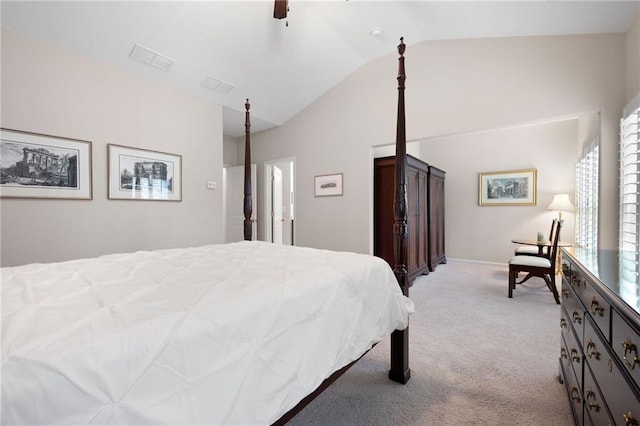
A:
[630,195]
[586,197]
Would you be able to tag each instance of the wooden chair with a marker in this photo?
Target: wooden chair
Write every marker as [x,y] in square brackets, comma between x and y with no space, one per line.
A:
[533,250]
[534,266]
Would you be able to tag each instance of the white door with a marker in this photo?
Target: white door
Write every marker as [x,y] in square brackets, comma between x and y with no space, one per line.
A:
[234,203]
[276,203]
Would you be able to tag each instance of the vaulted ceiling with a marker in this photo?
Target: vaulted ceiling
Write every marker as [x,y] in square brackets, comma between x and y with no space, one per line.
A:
[284,65]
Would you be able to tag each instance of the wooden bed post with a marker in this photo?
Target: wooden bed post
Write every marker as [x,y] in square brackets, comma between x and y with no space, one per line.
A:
[247,175]
[400,371]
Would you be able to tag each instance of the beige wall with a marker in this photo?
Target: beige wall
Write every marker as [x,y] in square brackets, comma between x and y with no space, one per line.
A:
[485,232]
[49,90]
[230,151]
[453,87]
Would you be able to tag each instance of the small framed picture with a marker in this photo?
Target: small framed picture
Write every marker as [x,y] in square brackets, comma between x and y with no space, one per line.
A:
[328,185]
[141,174]
[34,165]
[510,188]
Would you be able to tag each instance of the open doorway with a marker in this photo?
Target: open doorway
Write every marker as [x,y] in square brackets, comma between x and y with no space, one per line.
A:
[279,204]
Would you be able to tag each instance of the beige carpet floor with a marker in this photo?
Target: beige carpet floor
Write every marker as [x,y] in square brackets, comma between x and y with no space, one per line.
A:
[476,358]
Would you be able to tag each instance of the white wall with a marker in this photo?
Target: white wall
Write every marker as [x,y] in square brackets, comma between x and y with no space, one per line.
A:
[49,90]
[453,87]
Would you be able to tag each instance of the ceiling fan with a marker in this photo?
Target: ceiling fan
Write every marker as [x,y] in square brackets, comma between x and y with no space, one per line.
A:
[280,9]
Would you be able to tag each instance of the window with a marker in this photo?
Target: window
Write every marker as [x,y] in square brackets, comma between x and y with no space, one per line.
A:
[587,172]
[629,195]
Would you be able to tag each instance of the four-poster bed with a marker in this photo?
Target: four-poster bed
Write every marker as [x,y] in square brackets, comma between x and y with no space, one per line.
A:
[240,333]
[399,370]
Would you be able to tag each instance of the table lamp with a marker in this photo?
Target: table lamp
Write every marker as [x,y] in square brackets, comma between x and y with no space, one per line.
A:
[561,204]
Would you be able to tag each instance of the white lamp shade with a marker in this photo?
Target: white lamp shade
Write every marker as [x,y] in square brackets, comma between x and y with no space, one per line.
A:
[561,203]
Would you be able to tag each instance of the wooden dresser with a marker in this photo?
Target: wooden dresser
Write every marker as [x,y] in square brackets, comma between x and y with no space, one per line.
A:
[600,343]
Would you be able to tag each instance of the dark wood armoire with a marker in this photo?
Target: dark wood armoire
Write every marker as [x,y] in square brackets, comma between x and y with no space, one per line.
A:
[435,207]
[419,219]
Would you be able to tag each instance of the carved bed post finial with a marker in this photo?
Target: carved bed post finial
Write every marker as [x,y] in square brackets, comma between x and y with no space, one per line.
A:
[400,371]
[247,175]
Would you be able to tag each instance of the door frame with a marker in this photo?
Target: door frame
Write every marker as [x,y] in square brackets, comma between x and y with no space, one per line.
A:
[266,209]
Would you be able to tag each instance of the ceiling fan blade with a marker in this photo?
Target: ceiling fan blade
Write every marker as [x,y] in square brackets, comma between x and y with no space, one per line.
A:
[280,9]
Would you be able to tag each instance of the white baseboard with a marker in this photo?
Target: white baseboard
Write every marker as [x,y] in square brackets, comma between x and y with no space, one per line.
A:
[476,261]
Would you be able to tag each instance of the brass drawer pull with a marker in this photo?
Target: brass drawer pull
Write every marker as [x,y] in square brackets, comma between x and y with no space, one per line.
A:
[574,355]
[629,419]
[576,317]
[563,323]
[596,308]
[592,351]
[565,293]
[575,395]
[628,348]
[576,282]
[592,405]
[563,353]
[565,268]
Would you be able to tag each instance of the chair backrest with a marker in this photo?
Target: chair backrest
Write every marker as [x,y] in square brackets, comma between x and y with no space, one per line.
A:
[554,248]
[547,252]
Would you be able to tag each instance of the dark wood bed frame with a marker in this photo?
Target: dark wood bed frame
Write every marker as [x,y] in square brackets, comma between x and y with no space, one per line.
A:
[399,371]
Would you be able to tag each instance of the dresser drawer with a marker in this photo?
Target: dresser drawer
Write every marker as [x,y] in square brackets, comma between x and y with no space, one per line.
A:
[621,397]
[577,281]
[574,309]
[566,328]
[573,389]
[568,295]
[598,308]
[626,344]
[595,349]
[595,409]
[574,351]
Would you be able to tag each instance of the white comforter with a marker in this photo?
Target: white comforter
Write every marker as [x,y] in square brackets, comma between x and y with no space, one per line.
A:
[220,334]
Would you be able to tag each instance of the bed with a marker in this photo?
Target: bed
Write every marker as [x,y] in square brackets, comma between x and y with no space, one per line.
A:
[241,333]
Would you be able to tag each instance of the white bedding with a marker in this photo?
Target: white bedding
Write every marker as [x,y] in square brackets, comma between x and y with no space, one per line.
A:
[219,334]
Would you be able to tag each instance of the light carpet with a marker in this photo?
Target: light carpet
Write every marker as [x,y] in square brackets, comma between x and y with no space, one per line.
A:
[476,358]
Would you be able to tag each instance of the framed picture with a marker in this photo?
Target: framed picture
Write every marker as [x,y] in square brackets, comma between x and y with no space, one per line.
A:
[328,185]
[510,188]
[140,174]
[33,165]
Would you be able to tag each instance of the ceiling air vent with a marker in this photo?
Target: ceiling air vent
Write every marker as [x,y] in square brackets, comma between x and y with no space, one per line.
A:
[217,85]
[150,57]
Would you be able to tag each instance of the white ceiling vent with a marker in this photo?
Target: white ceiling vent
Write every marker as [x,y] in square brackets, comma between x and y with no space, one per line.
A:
[150,57]
[217,85]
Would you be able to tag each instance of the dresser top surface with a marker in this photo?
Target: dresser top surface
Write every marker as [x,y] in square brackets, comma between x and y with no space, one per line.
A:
[617,270]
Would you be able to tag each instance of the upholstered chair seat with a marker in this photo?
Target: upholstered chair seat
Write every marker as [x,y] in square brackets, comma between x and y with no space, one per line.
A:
[540,262]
